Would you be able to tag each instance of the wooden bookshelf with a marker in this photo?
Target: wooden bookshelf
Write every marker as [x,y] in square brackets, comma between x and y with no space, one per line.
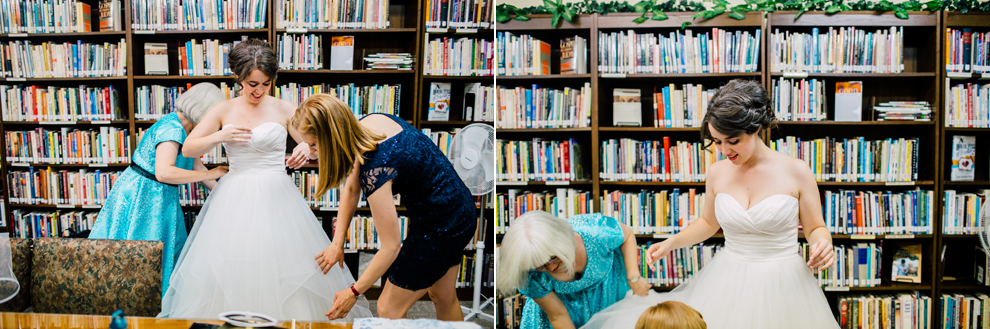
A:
[921,80]
[405,34]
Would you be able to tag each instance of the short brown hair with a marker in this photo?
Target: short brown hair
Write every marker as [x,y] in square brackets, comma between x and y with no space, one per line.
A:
[671,315]
[340,138]
[741,106]
[251,55]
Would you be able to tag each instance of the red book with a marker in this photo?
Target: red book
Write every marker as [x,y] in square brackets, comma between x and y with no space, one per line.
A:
[565,155]
[667,155]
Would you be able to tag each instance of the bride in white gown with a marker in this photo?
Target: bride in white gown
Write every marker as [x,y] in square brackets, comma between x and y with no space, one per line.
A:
[757,196]
[252,246]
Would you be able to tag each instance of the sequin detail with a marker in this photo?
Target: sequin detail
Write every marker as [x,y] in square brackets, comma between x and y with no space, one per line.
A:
[142,209]
[442,216]
[602,284]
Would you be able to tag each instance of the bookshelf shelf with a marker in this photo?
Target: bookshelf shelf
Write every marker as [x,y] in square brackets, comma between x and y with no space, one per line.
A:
[65,123]
[970,287]
[398,208]
[960,236]
[458,77]
[965,129]
[460,32]
[535,130]
[544,77]
[181,32]
[346,72]
[852,18]
[183,77]
[66,34]
[865,75]
[860,123]
[452,123]
[695,184]
[651,129]
[348,31]
[119,78]
[607,76]
[505,184]
[912,183]
[54,206]
[973,183]
[73,165]
[970,19]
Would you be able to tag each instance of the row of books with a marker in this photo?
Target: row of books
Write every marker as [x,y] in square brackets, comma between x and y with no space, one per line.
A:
[193,194]
[205,57]
[465,278]
[361,234]
[332,14]
[51,103]
[218,155]
[799,100]
[654,212]
[478,102]
[906,310]
[442,139]
[362,100]
[965,311]
[510,311]
[458,14]
[60,187]
[967,105]
[300,52]
[522,55]
[69,146]
[855,159]
[718,51]
[155,101]
[967,50]
[839,50]
[961,212]
[46,224]
[679,265]
[872,212]
[460,57]
[198,14]
[680,108]
[562,202]
[24,59]
[307,181]
[388,61]
[655,161]
[539,107]
[903,111]
[36,16]
[856,265]
[539,160]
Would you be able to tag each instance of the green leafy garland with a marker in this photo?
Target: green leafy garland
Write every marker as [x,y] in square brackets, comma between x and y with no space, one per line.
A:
[505,12]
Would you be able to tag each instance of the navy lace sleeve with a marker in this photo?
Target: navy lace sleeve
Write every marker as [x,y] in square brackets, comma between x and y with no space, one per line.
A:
[374,178]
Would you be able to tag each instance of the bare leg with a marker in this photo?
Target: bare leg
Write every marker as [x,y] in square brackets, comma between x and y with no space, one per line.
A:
[444,296]
[395,301]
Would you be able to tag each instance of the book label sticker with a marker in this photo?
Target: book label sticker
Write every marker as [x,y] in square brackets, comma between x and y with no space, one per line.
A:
[465,31]
[144,32]
[796,75]
[436,30]
[911,183]
[17,35]
[836,288]
[16,79]
[614,75]
[899,236]
[558,182]
[296,30]
[512,183]
[863,237]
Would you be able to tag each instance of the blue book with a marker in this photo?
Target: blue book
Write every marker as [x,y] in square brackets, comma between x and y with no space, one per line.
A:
[667,122]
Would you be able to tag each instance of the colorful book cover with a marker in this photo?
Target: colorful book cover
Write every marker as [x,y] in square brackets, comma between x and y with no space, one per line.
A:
[963,158]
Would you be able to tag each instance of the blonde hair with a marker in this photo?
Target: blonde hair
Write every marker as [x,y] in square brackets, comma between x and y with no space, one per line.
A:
[671,315]
[530,242]
[341,139]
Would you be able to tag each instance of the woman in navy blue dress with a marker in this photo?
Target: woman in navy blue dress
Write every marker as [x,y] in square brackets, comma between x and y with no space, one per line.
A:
[382,155]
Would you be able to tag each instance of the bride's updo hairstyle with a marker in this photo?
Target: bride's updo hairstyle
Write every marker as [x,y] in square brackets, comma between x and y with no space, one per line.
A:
[340,138]
[739,107]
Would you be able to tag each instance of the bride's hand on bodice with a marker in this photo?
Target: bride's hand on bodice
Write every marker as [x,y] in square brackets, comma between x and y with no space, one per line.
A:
[822,255]
[233,134]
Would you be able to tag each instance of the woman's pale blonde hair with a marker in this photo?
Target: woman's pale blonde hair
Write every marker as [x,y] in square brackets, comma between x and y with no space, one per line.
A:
[671,315]
[532,239]
[341,139]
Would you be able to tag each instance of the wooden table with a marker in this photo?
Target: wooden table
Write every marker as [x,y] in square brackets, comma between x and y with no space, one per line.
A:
[71,321]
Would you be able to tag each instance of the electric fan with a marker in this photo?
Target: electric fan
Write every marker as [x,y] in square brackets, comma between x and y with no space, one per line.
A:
[472,152]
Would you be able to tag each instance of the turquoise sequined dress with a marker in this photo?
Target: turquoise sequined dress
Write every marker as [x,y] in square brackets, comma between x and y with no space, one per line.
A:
[602,284]
[139,208]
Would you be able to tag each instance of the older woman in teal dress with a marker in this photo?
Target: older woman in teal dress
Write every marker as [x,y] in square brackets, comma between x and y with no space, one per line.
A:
[144,201]
[570,269]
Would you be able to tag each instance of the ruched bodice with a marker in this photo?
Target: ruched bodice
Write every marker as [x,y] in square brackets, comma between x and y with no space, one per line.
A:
[265,153]
[765,231]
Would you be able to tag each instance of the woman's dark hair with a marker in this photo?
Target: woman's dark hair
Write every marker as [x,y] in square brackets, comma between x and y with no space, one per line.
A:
[251,55]
[739,107]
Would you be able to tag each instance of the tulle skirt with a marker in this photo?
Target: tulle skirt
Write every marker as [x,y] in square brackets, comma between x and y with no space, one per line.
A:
[738,293]
[252,248]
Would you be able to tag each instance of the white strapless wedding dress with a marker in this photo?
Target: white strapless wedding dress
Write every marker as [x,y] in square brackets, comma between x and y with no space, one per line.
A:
[758,281]
[253,245]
